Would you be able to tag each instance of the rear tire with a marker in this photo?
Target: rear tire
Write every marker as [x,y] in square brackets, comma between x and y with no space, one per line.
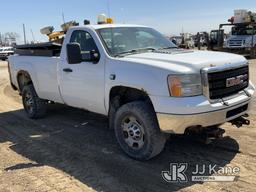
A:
[33,105]
[137,131]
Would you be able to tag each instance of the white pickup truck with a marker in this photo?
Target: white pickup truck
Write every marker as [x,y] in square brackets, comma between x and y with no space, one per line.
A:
[5,52]
[145,85]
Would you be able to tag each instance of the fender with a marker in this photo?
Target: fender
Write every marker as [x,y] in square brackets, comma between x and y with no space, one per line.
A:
[150,80]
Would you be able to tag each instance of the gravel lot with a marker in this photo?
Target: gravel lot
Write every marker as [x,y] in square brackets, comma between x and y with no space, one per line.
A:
[73,150]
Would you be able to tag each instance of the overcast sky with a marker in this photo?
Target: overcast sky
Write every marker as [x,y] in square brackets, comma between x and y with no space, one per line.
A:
[167,16]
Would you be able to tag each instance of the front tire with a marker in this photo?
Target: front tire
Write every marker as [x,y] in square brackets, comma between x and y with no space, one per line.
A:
[33,105]
[137,131]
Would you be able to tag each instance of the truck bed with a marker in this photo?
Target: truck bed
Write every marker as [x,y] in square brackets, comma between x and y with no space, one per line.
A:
[43,72]
[48,49]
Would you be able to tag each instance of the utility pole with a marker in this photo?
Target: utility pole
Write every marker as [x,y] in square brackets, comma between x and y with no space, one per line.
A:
[24,32]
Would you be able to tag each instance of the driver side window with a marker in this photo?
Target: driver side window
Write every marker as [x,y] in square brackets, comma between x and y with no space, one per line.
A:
[86,42]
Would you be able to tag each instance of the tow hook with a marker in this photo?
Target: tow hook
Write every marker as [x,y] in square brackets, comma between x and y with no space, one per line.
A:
[212,133]
[240,121]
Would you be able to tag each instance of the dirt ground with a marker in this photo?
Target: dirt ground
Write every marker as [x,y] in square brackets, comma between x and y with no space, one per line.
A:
[73,150]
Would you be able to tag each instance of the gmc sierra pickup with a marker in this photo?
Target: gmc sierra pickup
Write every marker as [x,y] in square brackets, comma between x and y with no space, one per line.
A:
[145,85]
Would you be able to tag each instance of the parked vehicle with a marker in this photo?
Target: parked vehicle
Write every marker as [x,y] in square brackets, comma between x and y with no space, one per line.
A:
[217,39]
[5,52]
[177,40]
[204,38]
[187,41]
[243,34]
[139,79]
[243,37]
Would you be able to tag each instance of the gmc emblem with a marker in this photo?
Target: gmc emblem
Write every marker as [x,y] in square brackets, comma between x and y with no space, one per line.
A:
[230,82]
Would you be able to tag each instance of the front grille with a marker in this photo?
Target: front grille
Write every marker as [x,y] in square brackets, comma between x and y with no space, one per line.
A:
[218,82]
[235,43]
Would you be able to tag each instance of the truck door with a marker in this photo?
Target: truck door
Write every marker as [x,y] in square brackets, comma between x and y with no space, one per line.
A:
[82,85]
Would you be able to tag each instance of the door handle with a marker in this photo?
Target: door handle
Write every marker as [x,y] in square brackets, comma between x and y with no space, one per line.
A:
[67,70]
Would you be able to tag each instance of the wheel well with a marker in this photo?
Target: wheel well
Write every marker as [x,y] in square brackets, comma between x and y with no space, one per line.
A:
[127,95]
[121,95]
[23,79]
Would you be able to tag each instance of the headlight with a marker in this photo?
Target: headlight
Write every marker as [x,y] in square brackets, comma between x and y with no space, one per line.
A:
[185,85]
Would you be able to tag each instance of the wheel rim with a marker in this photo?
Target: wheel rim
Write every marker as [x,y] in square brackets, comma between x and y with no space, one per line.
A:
[28,102]
[133,132]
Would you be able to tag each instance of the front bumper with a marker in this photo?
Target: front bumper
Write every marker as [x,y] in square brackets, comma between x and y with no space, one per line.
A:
[179,123]
[184,113]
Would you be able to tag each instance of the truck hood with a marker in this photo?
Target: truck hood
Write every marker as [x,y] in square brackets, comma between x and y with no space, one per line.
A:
[185,61]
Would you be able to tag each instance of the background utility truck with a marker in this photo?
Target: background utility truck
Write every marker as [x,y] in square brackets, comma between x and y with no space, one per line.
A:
[242,38]
[145,85]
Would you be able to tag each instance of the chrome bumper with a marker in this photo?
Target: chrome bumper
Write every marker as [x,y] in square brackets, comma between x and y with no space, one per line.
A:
[171,123]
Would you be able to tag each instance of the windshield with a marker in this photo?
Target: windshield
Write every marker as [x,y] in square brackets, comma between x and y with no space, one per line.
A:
[123,40]
[244,30]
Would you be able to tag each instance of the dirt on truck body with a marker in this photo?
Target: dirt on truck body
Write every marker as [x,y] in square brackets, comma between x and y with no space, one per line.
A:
[73,150]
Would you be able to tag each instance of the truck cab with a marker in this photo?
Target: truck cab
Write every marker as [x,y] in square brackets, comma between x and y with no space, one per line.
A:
[216,39]
[242,36]
[242,39]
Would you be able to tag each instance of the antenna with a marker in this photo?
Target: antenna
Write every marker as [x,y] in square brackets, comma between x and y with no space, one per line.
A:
[32,35]
[123,15]
[24,33]
[108,6]
[63,17]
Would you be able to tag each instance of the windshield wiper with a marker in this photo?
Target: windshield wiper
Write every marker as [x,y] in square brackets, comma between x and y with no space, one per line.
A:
[147,49]
[126,52]
[162,48]
[135,51]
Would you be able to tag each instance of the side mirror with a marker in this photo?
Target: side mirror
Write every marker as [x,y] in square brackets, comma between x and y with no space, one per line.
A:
[94,56]
[74,53]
